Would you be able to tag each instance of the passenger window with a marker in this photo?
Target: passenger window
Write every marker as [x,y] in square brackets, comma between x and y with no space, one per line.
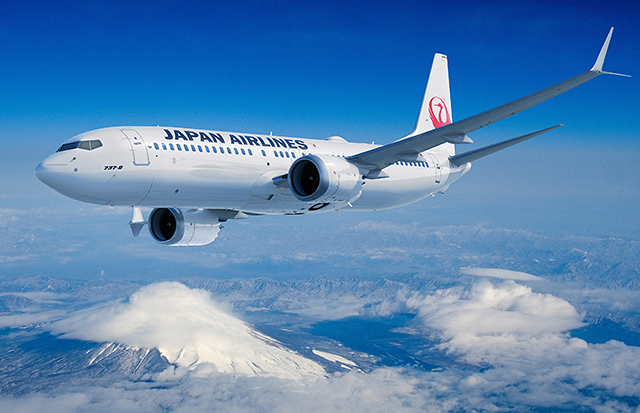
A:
[275,153]
[293,155]
[193,148]
[180,146]
[164,146]
[229,151]
[250,153]
[243,152]
[85,145]
[264,153]
[281,154]
[171,146]
[236,151]
[214,149]
[287,154]
[155,145]
[200,148]
[186,148]
[206,148]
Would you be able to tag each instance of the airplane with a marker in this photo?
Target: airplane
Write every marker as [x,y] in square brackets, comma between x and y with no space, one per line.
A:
[196,179]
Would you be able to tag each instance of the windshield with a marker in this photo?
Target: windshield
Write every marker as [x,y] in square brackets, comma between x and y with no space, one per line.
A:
[86,145]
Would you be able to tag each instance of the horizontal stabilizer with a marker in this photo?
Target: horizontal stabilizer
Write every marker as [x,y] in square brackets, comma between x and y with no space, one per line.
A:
[474,155]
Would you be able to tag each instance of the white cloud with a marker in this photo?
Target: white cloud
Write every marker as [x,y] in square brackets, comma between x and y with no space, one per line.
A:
[189,329]
[484,310]
[28,319]
[500,273]
[382,390]
[521,337]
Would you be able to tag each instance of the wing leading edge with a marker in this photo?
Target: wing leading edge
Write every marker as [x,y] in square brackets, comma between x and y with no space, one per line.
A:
[456,132]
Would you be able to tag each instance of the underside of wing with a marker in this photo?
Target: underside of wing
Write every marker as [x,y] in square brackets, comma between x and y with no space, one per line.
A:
[474,155]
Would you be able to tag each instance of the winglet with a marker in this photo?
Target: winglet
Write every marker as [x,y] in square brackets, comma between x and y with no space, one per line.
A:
[603,53]
[597,68]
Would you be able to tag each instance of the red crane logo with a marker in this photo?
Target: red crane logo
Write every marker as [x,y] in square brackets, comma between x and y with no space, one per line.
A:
[439,112]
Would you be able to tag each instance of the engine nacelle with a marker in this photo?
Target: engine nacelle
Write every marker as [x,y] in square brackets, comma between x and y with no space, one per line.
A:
[171,226]
[325,178]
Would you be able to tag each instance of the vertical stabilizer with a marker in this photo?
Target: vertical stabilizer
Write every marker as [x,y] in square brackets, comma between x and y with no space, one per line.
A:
[436,103]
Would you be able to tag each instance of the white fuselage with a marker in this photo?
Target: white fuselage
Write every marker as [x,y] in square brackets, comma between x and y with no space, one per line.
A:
[191,168]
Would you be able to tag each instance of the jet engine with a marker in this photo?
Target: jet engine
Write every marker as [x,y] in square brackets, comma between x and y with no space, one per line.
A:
[171,226]
[325,178]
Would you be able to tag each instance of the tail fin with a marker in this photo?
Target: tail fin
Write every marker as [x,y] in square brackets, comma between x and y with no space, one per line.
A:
[436,103]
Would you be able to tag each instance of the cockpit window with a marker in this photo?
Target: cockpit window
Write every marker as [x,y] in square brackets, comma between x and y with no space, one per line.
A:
[67,146]
[86,145]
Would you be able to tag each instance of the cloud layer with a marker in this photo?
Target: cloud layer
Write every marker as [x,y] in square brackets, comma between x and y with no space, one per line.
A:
[512,345]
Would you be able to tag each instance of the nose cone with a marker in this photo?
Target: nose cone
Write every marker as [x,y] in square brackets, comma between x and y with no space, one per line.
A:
[41,172]
[50,175]
[61,174]
[54,175]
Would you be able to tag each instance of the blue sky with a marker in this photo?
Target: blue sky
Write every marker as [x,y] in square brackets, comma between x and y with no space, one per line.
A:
[354,69]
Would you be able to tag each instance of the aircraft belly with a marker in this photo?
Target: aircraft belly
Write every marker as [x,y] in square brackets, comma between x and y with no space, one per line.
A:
[389,193]
[201,187]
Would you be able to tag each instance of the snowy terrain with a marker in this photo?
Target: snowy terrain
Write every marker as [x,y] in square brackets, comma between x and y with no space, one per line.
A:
[560,331]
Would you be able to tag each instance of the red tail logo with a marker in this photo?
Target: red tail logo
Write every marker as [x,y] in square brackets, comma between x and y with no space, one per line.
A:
[439,112]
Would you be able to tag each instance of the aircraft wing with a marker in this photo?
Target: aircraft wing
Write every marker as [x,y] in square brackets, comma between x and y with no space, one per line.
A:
[474,155]
[456,132]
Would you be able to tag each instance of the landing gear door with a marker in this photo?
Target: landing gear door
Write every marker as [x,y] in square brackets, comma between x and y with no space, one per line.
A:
[138,147]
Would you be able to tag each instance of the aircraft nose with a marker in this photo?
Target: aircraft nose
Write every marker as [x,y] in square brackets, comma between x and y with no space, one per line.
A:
[52,174]
[41,172]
